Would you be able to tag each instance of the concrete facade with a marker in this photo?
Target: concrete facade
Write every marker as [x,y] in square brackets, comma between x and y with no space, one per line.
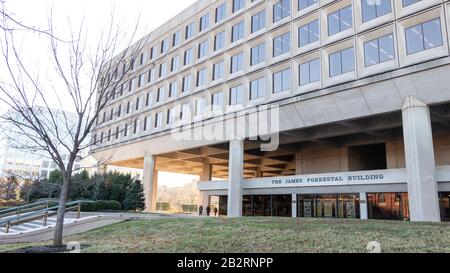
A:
[388,118]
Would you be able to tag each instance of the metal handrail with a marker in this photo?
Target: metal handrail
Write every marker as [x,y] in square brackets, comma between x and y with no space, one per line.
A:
[24,208]
[36,215]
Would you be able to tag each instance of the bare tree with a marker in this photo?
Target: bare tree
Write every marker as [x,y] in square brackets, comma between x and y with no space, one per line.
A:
[86,76]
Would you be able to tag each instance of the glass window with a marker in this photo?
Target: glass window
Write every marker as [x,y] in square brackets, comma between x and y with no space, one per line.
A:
[173,89]
[218,70]
[308,33]
[188,56]
[238,4]
[237,95]
[309,72]
[281,10]
[189,31]
[424,36]
[201,77]
[258,21]
[170,115]
[237,62]
[282,44]
[379,50]
[303,4]
[187,81]
[257,88]
[158,119]
[204,22]
[176,39]
[164,46]
[200,106]
[409,2]
[221,12]
[342,62]
[340,20]
[282,81]
[237,32]
[372,9]
[258,54]
[217,101]
[219,41]
[203,49]
[388,206]
[174,64]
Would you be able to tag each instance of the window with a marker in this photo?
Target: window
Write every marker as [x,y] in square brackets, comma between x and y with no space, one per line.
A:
[125,130]
[258,21]
[137,103]
[308,33]
[162,70]
[282,81]
[160,94]
[164,46]
[203,49]
[187,81]
[188,56]
[141,59]
[409,2]
[217,101]
[173,89]
[201,77]
[282,44]
[189,31]
[237,62]
[221,12]
[148,99]
[257,88]
[423,36]
[152,53]
[146,119]
[303,4]
[151,75]
[281,10]
[237,32]
[219,41]
[218,70]
[237,5]
[158,119]
[135,127]
[237,95]
[379,50]
[170,115]
[176,39]
[340,20]
[309,72]
[185,112]
[200,105]
[128,107]
[342,62]
[204,22]
[117,133]
[258,54]
[174,64]
[372,9]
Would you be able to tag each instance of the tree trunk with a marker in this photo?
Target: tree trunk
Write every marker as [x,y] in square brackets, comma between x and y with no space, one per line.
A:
[58,236]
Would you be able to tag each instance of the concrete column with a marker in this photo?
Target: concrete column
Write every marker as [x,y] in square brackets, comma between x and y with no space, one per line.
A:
[294,205]
[102,169]
[150,183]
[206,175]
[235,175]
[363,206]
[299,163]
[420,162]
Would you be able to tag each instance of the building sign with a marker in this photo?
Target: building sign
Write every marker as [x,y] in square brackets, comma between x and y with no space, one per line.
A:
[392,176]
[328,179]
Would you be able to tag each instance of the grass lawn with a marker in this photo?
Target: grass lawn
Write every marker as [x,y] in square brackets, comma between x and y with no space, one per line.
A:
[262,235]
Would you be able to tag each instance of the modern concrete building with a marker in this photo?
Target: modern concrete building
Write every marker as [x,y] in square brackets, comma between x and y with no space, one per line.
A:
[355,92]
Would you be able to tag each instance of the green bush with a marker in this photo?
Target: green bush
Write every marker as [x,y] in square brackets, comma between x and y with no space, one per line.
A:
[189,208]
[101,205]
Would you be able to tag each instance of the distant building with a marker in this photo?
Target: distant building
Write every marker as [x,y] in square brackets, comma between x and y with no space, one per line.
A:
[25,163]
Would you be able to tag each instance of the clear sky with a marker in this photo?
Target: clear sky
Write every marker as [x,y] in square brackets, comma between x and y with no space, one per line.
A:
[95,14]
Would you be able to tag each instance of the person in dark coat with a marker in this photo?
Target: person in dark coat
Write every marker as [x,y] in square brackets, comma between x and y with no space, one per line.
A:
[208,210]
[215,211]
[200,210]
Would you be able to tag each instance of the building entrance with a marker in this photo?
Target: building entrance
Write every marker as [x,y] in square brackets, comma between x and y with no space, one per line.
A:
[328,206]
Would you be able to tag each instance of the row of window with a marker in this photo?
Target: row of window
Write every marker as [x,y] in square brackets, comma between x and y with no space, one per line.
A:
[420,37]
[338,21]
